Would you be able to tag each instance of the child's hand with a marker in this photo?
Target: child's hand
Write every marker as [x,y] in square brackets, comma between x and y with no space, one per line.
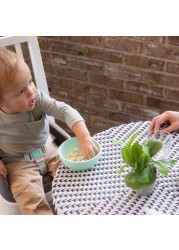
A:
[87,147]
[3,171]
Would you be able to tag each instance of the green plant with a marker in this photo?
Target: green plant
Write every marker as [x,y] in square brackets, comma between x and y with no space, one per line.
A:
[140,159]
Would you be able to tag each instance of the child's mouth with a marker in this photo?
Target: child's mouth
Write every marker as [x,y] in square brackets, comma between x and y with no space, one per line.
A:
[32,103]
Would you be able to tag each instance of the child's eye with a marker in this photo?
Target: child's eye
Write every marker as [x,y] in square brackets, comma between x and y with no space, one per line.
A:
[20,92]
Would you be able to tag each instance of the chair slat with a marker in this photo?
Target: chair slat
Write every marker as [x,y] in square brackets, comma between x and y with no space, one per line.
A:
[19,50]
[37,64]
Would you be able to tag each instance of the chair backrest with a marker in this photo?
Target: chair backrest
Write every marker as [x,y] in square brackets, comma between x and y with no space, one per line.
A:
[34,53]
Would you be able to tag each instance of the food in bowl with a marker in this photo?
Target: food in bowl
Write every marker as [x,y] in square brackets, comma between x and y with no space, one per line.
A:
[67,146]
[75,155]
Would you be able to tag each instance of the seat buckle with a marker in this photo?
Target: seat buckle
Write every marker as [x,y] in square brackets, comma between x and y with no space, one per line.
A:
[37,156]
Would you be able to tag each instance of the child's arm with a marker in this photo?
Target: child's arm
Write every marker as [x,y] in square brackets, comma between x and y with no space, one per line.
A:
[87,147]
[3,171]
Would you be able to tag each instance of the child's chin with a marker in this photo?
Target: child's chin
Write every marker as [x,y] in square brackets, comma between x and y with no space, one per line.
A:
[26,110]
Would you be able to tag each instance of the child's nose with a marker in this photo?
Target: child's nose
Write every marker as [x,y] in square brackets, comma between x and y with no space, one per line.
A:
[30,91]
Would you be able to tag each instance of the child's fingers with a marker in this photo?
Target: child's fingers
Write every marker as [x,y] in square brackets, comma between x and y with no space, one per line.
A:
[91,151]
[95,148]
[3,172]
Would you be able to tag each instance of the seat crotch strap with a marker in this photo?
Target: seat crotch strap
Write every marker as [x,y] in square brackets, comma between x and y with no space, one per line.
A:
[42,165]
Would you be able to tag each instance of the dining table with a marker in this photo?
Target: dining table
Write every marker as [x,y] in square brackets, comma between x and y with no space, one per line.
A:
[102,191]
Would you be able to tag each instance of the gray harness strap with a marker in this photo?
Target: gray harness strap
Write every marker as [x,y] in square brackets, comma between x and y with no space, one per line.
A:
[36,156]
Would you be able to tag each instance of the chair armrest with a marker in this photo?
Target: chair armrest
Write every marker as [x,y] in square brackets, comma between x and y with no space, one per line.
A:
[58,132]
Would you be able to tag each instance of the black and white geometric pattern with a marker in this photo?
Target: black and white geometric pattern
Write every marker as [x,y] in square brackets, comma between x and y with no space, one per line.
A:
[101,191]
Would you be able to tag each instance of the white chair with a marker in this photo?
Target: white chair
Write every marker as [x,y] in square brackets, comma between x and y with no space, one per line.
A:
[7,202]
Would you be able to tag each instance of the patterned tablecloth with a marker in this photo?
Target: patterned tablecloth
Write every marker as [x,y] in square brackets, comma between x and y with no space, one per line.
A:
[102,191]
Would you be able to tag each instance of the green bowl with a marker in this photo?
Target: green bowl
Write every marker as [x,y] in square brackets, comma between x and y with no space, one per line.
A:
[67,146]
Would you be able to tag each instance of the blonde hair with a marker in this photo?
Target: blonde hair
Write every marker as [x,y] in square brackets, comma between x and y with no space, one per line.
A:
[8,66]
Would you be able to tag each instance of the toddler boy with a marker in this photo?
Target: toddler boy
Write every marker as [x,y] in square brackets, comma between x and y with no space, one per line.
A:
[24,129]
